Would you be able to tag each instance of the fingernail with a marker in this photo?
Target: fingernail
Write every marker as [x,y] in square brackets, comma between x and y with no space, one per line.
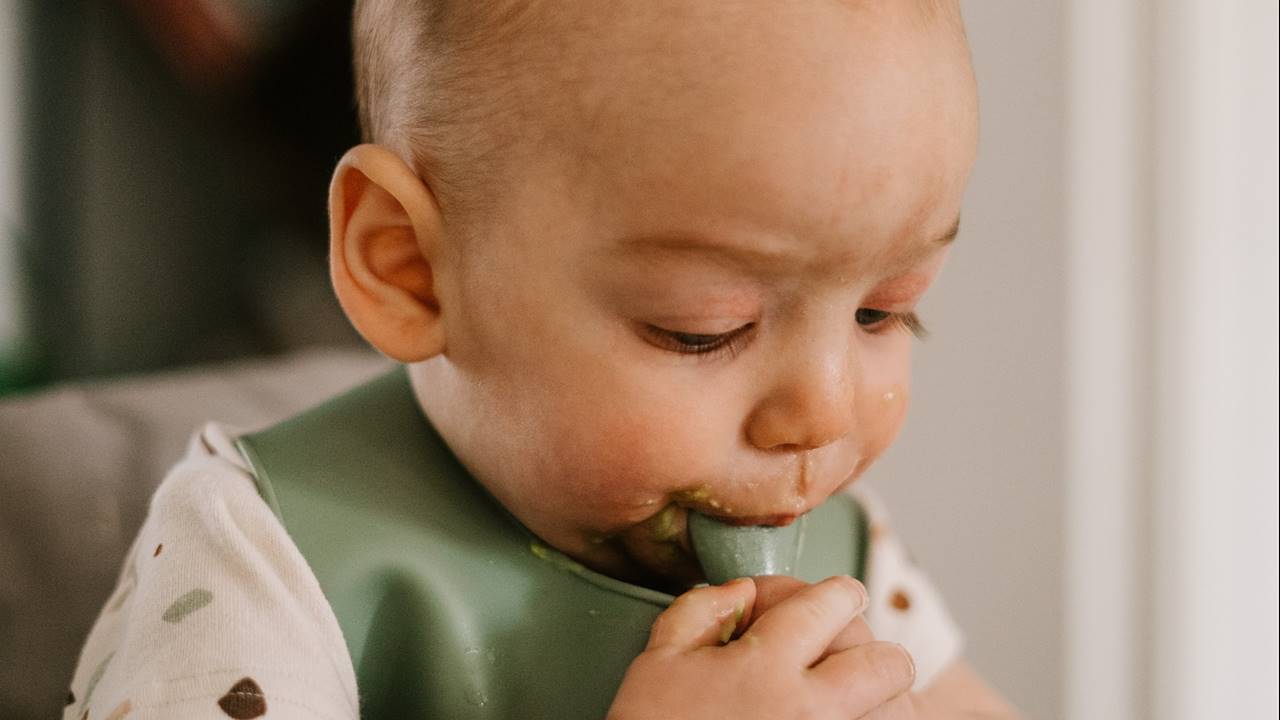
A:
[863,598]
[910,661]
[858,588]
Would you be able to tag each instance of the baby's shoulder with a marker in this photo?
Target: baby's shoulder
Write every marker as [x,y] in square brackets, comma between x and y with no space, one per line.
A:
[215,608]
[211,472]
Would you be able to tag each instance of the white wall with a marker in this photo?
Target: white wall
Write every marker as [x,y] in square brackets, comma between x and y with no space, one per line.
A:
[1172,234]
[1173,197]
[1214,453]
[975,481]
[1089,470]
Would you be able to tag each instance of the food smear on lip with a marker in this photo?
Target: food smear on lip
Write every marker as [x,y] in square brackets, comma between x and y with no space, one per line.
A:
[701,497]
[695,495]
[667,530]
[776,520]
[664,526]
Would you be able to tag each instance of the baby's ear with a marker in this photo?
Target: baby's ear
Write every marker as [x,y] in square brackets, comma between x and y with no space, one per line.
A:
[384,234]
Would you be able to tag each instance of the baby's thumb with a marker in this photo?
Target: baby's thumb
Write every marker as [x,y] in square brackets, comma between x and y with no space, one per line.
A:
[704,616]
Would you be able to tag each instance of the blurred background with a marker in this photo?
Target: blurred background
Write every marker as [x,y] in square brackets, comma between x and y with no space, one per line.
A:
[1089,469]
[165,173]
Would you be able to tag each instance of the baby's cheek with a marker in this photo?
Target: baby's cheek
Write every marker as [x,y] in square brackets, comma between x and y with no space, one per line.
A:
[881,413]
[628,461]
[882,396]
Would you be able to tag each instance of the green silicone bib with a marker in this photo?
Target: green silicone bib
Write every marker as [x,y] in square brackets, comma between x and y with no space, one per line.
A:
[450,608]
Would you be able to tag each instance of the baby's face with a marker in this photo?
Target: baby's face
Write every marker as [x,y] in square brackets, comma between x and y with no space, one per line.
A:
[685,299]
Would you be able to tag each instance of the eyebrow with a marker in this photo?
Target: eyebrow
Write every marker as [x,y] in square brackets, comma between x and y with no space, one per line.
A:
[755,259]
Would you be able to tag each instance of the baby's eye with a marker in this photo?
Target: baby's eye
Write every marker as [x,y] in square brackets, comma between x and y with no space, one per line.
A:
[696,343]
[876,321]
[868,317]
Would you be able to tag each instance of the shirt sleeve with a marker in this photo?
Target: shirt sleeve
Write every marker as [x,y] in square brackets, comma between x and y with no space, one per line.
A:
[904,606]
[216,613]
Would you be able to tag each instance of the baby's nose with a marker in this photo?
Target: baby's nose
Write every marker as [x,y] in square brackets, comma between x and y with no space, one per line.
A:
[779,427]
[811,406]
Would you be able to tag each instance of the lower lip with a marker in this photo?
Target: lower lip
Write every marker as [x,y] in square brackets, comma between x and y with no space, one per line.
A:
[779,520]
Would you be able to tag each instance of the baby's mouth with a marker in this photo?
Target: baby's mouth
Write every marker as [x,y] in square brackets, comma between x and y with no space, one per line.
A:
[727,551]
[775,520]
[721,546]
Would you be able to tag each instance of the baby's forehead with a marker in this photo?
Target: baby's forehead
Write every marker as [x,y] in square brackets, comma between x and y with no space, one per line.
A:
[785,121]
[803,114]
[678,40]
[909,257]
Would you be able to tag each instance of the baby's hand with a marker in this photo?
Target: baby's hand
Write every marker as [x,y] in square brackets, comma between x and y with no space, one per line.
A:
[804,654]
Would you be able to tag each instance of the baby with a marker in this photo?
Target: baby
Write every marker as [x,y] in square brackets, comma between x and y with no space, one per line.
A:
[642,261]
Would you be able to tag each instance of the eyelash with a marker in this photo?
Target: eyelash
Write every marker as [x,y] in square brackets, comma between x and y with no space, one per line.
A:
[730,343]
[908,321]
[704,346]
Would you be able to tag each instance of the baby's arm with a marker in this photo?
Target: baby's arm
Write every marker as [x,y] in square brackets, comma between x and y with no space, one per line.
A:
[959,692]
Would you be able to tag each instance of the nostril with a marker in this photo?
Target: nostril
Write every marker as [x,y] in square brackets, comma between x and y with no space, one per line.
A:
[776,430]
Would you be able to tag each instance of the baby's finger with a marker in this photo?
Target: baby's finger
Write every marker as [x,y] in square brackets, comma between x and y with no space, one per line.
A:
[704,616]
[868,676]
[800,629]
[856,633]
[900,708]
[772,590]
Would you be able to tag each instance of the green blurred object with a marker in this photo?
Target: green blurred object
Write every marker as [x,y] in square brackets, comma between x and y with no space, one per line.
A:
[19,368]
[162,224]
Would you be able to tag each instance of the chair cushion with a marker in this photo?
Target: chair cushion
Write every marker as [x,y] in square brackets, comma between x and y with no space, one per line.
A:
[78,464]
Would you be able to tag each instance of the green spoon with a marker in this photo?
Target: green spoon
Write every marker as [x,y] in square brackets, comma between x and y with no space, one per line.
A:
[727,552]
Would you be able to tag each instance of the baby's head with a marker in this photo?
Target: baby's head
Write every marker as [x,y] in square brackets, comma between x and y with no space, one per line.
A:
[653,256]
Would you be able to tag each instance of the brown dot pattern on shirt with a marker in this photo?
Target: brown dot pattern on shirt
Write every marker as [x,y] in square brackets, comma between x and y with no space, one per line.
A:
[71,698]
[158,549]
[900,601]
[244,700]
